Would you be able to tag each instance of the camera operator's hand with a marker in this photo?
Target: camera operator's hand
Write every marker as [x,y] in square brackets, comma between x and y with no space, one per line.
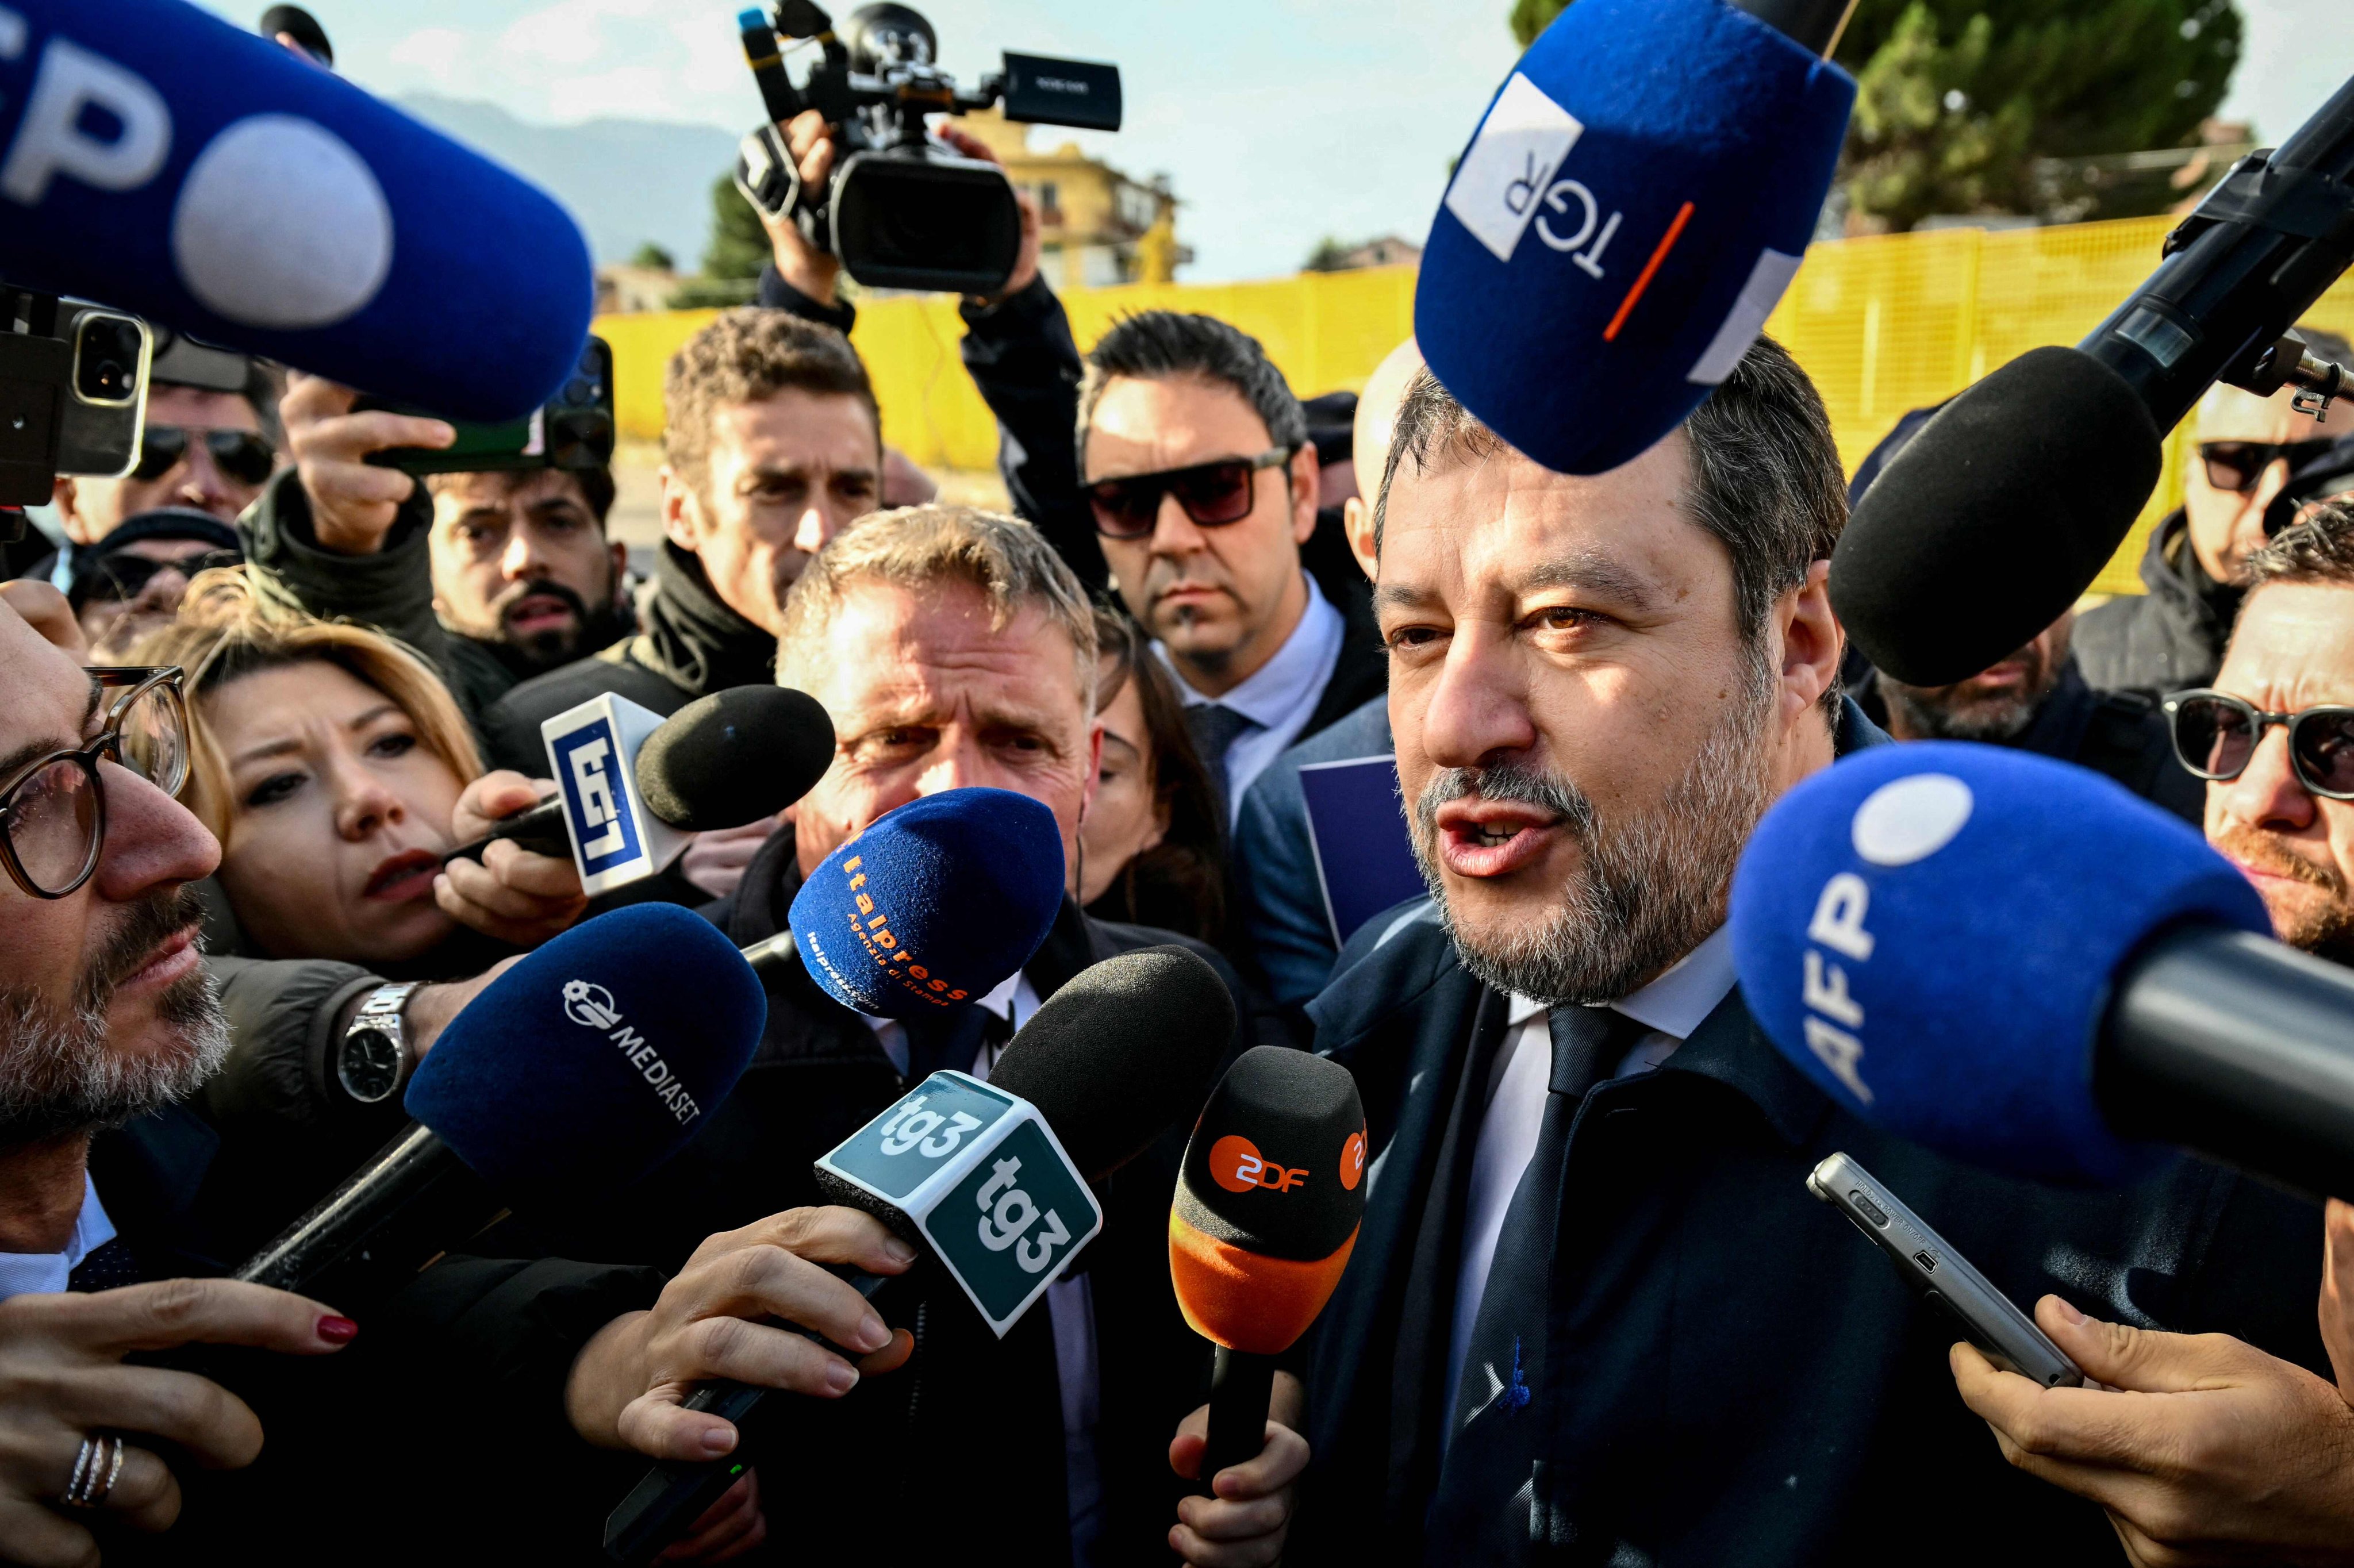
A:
[512,895]
[814,272]
[1026,259]
[2202,1449]
[353,503]
[62,1379]
[628,1386]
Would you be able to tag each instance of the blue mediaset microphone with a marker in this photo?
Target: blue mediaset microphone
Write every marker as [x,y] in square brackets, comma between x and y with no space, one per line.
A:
[158,159]
[576,1072]
[2018,963]
[937,902]
[1635,201]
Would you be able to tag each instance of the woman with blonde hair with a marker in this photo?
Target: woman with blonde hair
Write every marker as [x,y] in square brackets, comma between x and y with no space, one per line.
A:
[334,768]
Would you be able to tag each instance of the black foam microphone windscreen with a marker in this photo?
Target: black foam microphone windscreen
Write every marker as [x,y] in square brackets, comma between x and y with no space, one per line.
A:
[1991,521]
[1120,1052]
[734,757]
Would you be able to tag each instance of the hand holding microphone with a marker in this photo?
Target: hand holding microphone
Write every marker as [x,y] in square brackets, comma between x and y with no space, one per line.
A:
[1268,1202]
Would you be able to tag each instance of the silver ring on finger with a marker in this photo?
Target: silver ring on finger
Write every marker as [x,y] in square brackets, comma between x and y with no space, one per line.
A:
[97,1467]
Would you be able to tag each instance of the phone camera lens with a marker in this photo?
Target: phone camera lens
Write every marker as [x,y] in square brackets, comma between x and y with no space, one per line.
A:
[578,390]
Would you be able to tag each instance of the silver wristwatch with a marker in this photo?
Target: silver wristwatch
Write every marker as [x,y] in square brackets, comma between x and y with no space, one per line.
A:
[372,1058]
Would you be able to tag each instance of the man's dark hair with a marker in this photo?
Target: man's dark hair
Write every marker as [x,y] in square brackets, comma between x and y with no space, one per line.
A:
[1156,344]
[1767,479]
[746,356]
[2318,550]
[596,485]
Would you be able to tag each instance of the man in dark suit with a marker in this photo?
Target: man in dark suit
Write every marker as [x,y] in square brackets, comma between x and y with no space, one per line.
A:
[1593,1315]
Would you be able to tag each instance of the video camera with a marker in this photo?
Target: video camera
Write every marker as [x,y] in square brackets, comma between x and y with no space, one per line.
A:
[900,210]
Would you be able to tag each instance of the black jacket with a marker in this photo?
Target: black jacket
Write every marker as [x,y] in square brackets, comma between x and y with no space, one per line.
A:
[971,1429]
[1748,1379]
[689,645]
[2123,735]
[2168,638]
[1731,1374]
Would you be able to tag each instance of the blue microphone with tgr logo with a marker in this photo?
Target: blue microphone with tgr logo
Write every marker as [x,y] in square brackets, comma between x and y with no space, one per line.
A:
[1629,211]
[588,1063]
[2018,963]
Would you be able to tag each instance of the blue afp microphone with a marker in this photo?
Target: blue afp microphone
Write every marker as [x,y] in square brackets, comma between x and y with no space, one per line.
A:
[2018,963]
[1628,215]
[936,903]
[576,1072]
[157,158]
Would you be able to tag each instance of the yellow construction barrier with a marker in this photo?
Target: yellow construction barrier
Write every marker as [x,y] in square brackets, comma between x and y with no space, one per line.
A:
[1883,326]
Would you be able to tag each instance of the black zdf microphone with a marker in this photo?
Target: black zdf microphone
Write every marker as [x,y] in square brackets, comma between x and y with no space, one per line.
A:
[578,1070]
[2007,503]
[723,761]
[989,1182]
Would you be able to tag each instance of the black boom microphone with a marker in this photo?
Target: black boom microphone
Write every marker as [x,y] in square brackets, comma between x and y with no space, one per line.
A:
[1118,1055]
[2009,502]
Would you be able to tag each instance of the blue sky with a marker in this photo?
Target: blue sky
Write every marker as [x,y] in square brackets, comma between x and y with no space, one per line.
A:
[1281,120]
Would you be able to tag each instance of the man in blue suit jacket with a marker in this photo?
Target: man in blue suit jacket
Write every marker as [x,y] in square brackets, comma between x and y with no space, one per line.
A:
[1593,1316]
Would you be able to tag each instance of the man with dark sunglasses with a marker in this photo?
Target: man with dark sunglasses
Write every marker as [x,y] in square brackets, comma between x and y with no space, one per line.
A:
[1198,469]
[2195,568]
[209,446]
[131,582]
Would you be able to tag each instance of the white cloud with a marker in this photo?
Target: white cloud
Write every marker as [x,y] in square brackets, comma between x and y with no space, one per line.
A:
[435,52]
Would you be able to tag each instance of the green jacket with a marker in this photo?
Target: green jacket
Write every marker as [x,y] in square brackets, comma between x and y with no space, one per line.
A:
[391,590]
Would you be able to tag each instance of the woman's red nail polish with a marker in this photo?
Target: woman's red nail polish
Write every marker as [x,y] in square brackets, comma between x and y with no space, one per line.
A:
[337,1331]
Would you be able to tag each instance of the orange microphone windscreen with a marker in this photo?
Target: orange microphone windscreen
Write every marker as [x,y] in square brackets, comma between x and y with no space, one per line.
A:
[1269,1200]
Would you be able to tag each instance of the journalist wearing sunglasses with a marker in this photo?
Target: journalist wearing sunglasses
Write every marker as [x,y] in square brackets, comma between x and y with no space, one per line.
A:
[204,449]
[2274,735]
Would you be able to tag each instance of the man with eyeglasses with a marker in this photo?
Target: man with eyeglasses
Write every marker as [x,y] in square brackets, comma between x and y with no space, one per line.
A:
[1198,469]
[2195,568]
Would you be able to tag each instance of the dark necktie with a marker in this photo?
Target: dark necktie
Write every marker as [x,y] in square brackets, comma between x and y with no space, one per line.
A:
[951,1042]
[112,1265]
[1481,1495]
[1215,729]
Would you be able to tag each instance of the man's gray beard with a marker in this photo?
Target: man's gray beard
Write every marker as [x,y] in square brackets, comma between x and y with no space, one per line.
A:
[58,1077]
[1993,721]
[1645,891]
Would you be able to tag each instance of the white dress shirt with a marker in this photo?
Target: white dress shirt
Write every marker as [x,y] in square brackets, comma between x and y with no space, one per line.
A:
[1673,1005]
[1069,1302]
[28,1273]
[1278,698]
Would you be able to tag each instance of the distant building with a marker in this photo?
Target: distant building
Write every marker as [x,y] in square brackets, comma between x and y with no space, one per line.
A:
[1389,250]
[1097,225]
[622,289]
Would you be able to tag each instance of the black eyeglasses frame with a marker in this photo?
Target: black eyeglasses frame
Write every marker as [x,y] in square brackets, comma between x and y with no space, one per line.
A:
[139,680]
[2260,721]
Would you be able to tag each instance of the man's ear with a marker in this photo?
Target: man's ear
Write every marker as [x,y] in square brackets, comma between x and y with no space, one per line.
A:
[681,512]
[1357,522]
[65,497]
[1812,643]
[1305,488]
[621,572]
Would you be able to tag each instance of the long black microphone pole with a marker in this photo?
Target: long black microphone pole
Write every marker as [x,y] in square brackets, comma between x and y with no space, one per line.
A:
[2239,270]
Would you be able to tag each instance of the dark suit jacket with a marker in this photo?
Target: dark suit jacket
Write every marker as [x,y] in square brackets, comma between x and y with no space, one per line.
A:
[1734,1375]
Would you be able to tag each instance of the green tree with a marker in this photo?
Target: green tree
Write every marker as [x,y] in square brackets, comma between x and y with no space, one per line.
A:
[1327,256]
[1959,98]
[651,255]
[732,260]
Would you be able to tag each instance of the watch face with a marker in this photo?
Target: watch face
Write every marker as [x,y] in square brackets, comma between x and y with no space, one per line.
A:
[369,1064]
